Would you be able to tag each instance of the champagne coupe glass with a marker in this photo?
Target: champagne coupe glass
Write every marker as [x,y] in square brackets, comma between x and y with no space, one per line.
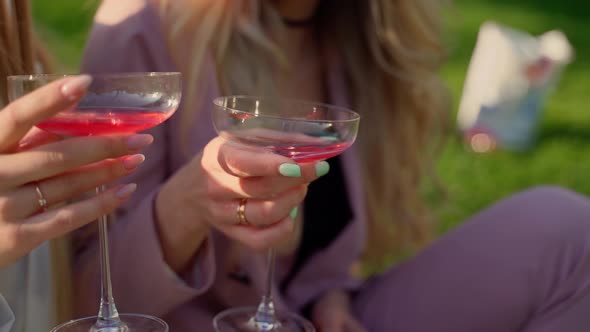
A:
[114,104]
[302,131]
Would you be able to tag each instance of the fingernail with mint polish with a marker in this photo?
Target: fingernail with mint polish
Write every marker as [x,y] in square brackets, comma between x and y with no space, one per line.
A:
[290,170]
[126,191]
[139,141]
[76,87]
[322,168]
[293,213]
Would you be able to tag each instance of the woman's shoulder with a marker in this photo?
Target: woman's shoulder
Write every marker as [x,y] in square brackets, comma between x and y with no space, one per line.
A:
[130,30]
[131,13]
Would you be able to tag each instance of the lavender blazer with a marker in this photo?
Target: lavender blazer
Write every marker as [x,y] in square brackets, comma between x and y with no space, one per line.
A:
[127,37]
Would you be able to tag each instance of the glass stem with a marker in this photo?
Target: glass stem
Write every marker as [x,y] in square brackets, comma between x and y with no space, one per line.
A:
[108,316]
[265,318]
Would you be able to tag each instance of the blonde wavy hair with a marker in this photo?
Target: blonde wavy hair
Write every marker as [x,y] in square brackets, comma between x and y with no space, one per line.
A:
[21,53]
[396,45]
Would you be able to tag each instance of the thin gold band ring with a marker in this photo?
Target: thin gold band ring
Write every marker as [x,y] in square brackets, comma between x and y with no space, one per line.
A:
[40,198]
[241,213]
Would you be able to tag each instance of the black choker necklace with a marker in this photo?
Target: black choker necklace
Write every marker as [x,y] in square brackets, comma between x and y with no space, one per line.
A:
[299,23]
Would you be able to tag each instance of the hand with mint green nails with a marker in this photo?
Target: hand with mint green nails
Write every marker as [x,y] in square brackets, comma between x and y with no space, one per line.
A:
[252,196]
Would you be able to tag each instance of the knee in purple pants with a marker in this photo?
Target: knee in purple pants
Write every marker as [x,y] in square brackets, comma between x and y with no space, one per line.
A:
[521,265]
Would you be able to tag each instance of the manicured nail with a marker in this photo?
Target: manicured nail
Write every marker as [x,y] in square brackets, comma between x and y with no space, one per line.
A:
[126,191]
[322,168]
[137,142]
[330,138]
[130,163]
[293,212]
[290,170]
[75,87]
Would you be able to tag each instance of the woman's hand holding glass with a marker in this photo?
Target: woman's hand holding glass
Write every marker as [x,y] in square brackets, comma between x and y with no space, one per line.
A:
[40,172]
[208,192]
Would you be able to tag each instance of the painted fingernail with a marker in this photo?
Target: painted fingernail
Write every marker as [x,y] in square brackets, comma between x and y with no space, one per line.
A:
[290,170]
[330,138]
[322,168]
[126,191]
[137,142]
[131,162]
[293,213]
[75,87]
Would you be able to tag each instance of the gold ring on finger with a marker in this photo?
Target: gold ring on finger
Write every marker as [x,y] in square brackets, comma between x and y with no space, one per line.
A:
[241,213]
[40,198]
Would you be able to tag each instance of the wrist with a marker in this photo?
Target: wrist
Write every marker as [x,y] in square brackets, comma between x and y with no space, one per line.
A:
[180,241]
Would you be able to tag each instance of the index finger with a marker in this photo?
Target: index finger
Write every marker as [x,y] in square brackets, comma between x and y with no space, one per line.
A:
[247,162]
[17,118]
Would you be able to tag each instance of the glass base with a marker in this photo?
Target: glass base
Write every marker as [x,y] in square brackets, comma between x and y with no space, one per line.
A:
[240,320]
[133,323]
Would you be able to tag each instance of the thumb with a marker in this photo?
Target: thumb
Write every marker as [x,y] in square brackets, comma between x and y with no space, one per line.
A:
[34,138]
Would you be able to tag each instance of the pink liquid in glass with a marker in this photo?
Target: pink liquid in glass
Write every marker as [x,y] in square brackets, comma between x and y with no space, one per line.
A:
[299,147]
[310,153]
[103,121]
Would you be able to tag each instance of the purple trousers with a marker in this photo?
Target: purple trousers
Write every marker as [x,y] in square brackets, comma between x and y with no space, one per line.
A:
[521,265]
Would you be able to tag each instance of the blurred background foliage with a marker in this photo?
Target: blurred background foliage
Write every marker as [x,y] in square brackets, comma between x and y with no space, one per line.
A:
[472,181]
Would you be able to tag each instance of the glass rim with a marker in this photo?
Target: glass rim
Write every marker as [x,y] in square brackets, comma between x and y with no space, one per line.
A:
[355,116]
[122,316]
[33,77]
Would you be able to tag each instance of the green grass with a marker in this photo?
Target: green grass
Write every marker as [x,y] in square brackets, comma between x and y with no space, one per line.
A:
[473,181]
[63,26]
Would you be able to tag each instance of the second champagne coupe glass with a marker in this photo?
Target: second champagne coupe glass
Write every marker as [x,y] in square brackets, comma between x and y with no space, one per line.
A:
[113,104]
[302,131]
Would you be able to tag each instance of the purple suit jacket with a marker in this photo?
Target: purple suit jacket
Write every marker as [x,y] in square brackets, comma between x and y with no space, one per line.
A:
[127,37]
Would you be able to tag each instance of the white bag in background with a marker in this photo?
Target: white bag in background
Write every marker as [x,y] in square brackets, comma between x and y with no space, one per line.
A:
[510,75]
